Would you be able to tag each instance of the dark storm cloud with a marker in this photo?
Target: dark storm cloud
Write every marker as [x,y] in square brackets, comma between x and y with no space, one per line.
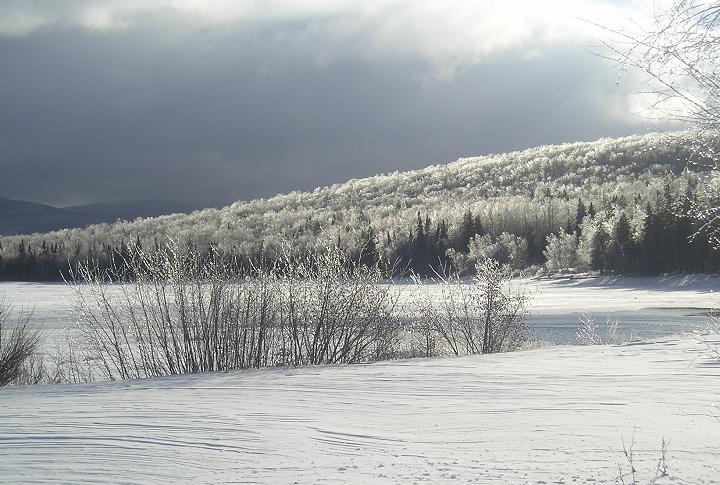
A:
[214,113]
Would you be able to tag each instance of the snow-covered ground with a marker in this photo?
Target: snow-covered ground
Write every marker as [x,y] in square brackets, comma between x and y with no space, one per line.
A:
[553,415]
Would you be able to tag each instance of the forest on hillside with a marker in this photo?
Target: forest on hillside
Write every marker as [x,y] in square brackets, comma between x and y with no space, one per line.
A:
[615,205]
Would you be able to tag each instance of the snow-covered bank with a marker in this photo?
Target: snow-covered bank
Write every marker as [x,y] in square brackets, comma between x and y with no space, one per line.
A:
[550,415]
[624,293]
[646,307]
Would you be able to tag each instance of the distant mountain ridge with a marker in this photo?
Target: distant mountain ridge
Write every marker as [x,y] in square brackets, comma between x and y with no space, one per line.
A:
[24,217]
[132,209]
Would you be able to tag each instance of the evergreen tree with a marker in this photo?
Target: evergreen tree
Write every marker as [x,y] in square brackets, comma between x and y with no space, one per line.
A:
[369,252]
[651,242]
[591,211]
[466,232]
[580,213]
[622,254]
[598,249]
[419,255]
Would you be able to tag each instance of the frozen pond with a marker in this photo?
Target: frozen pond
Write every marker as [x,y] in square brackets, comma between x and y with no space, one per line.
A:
[644,307]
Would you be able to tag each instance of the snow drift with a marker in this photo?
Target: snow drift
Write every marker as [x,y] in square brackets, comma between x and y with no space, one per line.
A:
[557,415]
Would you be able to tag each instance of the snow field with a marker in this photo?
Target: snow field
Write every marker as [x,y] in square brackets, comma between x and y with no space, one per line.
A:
[553,415]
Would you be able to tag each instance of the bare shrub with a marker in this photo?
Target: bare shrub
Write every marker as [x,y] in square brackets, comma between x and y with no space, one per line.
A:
[188,312]
[629,476]
[712,327]
[19,359]
[480,317]
[590,333]
[65,363]
[335,312]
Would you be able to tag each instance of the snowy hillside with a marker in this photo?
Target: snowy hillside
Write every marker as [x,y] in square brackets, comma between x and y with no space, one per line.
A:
[505,189]
[557,415]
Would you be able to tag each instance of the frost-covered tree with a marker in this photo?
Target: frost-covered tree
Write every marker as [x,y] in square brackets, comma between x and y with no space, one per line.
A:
[678,47]
[622,250]
[483,316]
[561,252]
[599,241]
[512,251]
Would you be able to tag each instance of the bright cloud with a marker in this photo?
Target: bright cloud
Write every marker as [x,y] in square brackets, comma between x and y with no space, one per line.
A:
[451,31]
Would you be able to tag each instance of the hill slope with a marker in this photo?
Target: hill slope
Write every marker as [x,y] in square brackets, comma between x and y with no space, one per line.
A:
[529,194]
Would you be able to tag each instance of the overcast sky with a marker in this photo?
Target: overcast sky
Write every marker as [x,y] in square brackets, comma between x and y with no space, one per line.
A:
[210,102]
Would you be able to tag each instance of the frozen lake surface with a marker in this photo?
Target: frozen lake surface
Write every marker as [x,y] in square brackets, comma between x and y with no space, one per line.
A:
[645,307]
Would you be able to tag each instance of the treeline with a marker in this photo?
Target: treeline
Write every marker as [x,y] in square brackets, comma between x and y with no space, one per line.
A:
[622,237]
[54,262]
[646,234]
[51,261]
[644,238]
